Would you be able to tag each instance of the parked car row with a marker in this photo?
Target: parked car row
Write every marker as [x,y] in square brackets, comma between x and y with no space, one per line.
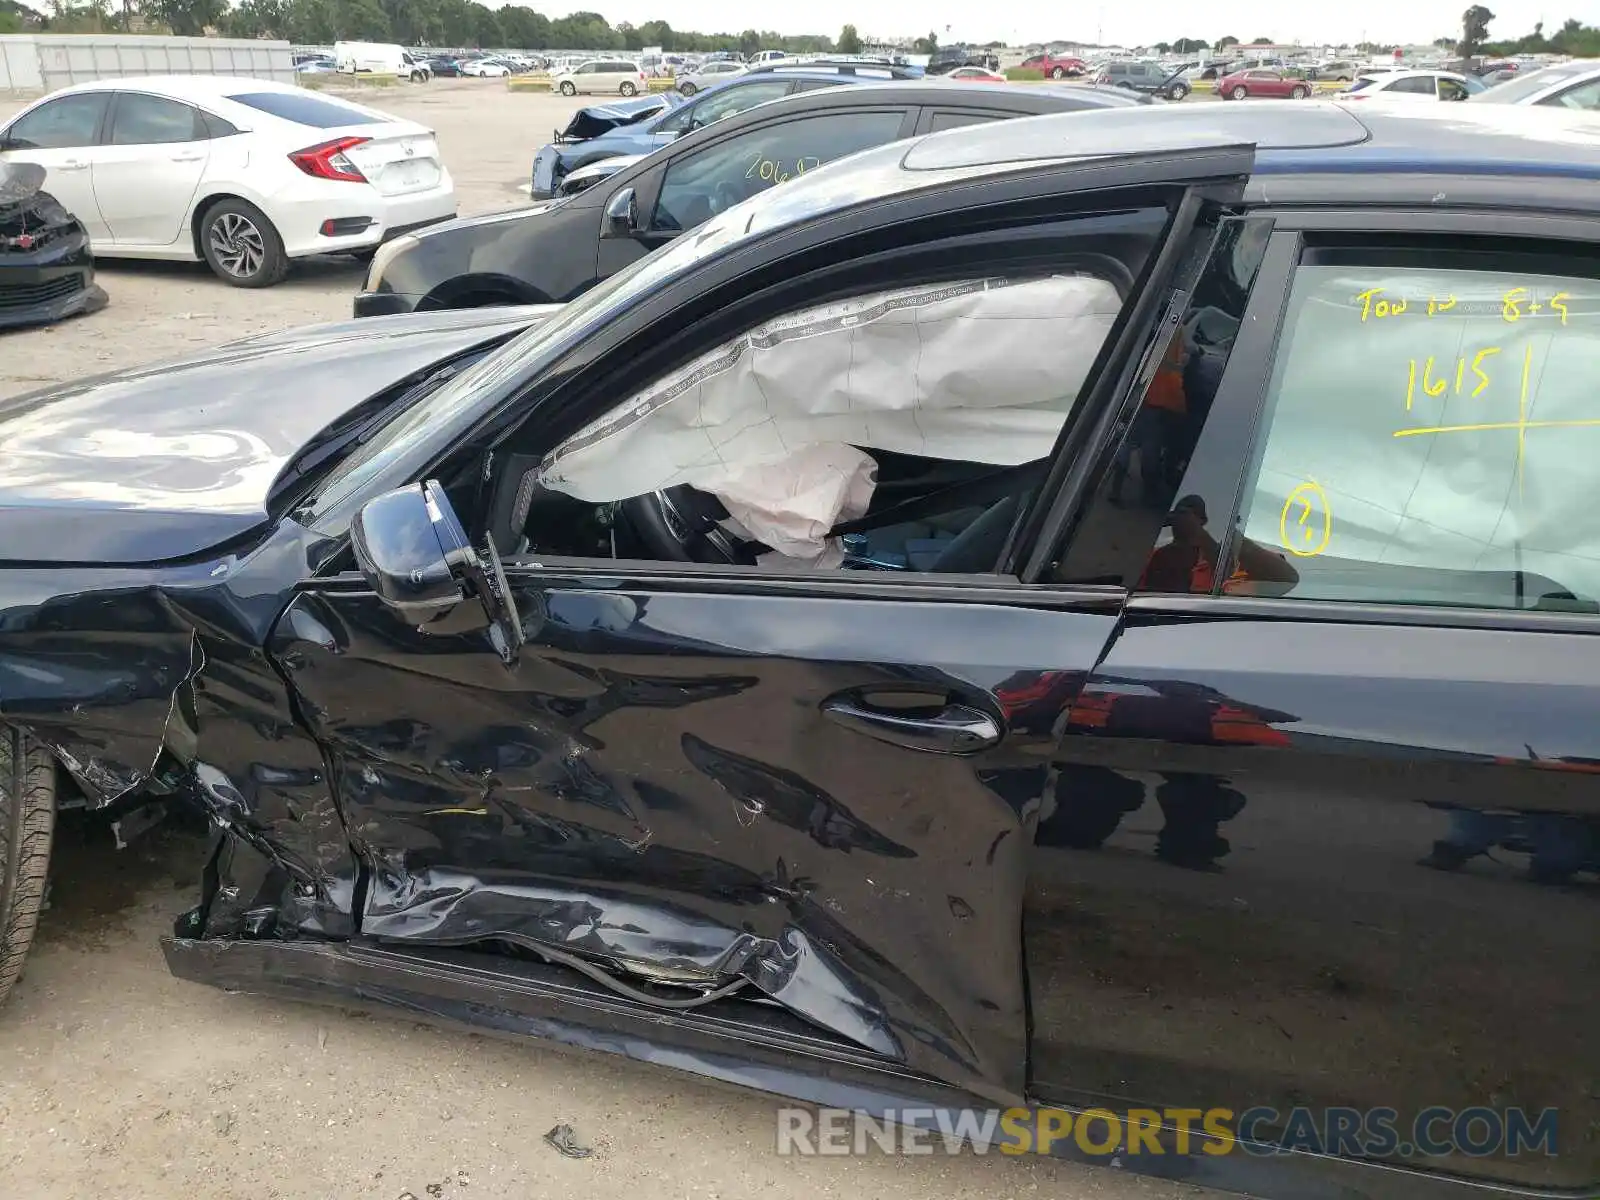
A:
[907,596]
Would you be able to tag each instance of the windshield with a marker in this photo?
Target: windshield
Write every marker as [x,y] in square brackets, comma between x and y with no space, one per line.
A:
[1518,90]
[1365,81]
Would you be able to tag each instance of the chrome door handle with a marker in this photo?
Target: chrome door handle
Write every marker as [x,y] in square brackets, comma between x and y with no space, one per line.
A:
[71,165]
[187,157]
[953,729]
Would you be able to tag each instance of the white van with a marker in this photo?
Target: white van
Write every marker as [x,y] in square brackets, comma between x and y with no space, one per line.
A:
[376,58]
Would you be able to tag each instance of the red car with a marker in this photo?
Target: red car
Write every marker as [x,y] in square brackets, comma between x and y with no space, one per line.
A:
[1263,81]
[1057,66]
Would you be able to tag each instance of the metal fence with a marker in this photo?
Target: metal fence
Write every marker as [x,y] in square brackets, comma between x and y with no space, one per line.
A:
[32,64]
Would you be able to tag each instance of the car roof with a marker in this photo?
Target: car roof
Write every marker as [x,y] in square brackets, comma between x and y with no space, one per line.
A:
[1309,137]
[188,87]
[1313,152]
[1411,73]
[936,90]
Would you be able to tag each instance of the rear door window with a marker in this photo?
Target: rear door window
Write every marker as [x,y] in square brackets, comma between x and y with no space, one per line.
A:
[317,112]
[144,120]
[1431,437]
[700,185]
[953,120]
[719,105]
[1419,85]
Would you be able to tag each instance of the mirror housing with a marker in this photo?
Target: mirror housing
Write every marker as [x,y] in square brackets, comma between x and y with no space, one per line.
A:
[413,552]
[621,218]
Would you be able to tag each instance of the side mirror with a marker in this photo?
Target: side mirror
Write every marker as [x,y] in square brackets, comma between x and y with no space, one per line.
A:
[622,215]
[412,550]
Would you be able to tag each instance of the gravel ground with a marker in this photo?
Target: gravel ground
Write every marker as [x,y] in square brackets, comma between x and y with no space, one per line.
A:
[121,1081]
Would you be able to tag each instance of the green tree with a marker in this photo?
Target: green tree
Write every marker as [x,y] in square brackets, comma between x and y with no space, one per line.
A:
[658,33]
[1262,41]
[1224,43]
[1189,46]
[1474,30]
[523,28]
[849,40]
[927,45]
[10,21]
[749,43]
[186,18]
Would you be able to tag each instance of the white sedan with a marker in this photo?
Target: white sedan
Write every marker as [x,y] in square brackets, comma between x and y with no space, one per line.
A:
[1407,86]
[484,68]
[245,174]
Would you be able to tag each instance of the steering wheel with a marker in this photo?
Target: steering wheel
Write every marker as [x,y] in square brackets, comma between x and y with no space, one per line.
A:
[680,524]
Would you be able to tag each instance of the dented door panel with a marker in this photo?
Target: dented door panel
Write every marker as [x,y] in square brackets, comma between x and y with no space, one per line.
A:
[656,793]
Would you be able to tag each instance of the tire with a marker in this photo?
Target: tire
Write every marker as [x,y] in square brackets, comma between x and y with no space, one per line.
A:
[1239,93]
[568,88]
[1299,93]
[628,88]
[241,246]
[27,822]
[1177,92]
[687,89]
[1058,72]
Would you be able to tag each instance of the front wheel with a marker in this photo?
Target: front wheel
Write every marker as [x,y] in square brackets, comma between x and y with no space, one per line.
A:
[1239,93]
[628,89]
[688,89]
[1058,73]
[241,246]
[1177,92]
[27,823]
[569,88]
[1299,93]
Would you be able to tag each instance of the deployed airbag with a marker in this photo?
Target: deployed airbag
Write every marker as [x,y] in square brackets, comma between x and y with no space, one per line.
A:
[978,371]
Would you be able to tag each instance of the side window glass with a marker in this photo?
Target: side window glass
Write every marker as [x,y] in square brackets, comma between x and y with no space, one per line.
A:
[217,127]
[1141,502]
[1421,85]
[952,120]
[1431,438]
[903,429]
[141,120]
[730,103]
[1585,96]
[62,124]
[699,186]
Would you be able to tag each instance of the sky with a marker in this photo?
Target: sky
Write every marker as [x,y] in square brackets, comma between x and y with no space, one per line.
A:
[1128,22]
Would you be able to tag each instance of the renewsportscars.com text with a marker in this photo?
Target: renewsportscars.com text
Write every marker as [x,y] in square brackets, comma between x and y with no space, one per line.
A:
[1377,1132]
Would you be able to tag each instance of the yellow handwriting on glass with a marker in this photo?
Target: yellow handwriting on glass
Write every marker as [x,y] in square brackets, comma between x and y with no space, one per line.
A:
[1375,304]
[769,170]
[1436,387]
[1306,524]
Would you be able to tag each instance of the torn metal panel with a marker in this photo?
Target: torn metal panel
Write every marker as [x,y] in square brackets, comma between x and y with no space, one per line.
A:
[151,683]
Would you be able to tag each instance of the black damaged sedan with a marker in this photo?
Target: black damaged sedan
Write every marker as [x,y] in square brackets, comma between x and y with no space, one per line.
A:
[1095,611]
[46,269]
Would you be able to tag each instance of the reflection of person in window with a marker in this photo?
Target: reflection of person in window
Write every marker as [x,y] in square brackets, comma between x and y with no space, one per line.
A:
[1188,562]
[1158,434]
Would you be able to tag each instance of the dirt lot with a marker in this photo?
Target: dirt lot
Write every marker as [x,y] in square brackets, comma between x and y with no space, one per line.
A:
[120,1081]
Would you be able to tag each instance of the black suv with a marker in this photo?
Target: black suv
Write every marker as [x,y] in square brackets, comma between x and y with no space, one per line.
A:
[1150,78]
[548,253]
